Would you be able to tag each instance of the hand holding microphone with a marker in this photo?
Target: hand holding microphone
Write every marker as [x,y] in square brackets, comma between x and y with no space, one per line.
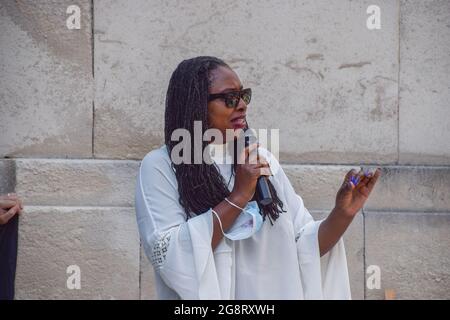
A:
[251,175]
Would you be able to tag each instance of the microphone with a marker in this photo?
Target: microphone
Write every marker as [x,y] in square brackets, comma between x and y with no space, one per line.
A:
[263,194]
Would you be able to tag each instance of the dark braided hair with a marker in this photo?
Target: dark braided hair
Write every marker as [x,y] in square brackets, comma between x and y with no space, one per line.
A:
[200,186]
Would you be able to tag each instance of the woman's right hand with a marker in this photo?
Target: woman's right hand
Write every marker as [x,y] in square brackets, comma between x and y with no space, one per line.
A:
[249,168]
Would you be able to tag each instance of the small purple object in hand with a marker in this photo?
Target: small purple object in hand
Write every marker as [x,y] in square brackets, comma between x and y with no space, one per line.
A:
[354,180]
[357,178]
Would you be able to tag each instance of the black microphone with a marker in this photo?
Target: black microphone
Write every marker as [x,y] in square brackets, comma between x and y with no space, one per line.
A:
[263,194]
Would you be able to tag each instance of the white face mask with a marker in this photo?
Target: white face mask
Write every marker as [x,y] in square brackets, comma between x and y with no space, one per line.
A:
[246,224]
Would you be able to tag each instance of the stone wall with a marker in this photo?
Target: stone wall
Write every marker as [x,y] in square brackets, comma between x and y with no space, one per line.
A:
[80,107]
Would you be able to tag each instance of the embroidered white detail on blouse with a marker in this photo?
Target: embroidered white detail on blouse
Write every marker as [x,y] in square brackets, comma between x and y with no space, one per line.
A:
[160,250]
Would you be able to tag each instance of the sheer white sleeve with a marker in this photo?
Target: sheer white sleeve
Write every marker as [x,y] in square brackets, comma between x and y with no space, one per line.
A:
[179,250]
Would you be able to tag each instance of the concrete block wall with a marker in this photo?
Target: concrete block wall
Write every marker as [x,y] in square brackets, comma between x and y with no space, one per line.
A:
[80,108]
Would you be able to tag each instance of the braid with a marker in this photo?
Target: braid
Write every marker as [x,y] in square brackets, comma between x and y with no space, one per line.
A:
[200,186]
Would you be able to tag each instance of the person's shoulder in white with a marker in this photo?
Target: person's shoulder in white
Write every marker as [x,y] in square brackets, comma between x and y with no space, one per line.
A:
[156,159]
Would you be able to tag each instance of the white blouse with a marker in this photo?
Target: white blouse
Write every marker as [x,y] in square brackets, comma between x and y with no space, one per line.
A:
[280,261]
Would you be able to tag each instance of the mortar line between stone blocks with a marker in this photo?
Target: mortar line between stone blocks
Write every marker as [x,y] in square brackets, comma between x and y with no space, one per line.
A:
[93,131]
[398,82]
[14,177]
[345,165]
[93,76]
[283,164]
[92,37]
[79,207]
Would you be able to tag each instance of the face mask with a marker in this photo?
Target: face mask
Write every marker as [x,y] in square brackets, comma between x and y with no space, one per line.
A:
[246,224]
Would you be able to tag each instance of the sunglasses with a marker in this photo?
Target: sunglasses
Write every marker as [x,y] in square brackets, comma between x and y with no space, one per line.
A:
[232,98]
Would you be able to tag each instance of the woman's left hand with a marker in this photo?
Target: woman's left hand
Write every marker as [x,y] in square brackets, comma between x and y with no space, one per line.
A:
[350,197]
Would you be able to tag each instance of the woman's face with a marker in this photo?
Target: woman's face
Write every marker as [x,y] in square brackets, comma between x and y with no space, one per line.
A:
[220,116]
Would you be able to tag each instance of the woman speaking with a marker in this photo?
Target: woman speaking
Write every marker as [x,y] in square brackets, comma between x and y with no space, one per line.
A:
[201,224]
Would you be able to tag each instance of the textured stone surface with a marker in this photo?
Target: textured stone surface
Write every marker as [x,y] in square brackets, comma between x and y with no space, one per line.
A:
[399,187]
[425,82]
[354,248]
[341,95]
[103,242]
[77,182]
[412,189]
[412,251]
[112,183]
[131,76]
[7,176]
[317,72]
[147,279]
[45,80]
[317,185]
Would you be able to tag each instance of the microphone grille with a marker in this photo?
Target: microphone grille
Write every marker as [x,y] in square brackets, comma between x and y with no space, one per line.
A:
[250,136]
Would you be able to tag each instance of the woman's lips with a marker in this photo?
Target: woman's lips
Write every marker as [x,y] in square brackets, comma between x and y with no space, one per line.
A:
[238,123]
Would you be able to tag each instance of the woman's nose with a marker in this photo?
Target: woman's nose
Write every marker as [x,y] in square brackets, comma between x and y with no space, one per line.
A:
[242,106]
